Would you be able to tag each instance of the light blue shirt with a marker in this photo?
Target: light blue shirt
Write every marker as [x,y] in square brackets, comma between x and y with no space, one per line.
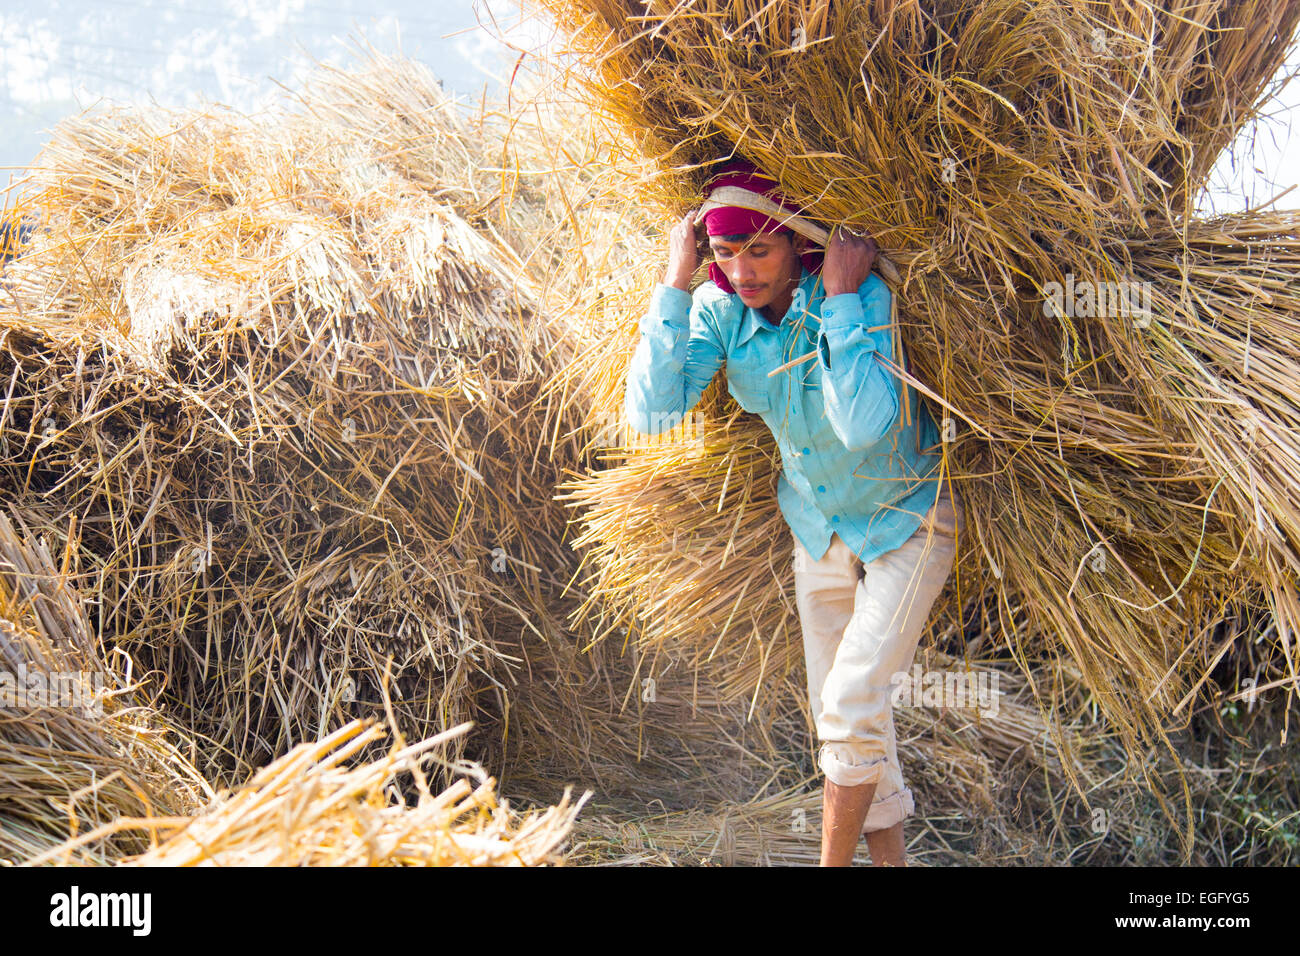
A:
[849,464]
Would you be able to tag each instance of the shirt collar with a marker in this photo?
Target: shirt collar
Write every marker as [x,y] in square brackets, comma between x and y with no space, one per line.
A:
[751,320]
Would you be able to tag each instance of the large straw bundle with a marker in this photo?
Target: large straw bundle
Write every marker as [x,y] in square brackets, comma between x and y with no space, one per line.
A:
[146,391]
[79,743]
[1064,121]
[287,394]
[992,147]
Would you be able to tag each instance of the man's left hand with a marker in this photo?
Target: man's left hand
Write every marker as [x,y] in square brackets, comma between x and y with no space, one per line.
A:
[848,262]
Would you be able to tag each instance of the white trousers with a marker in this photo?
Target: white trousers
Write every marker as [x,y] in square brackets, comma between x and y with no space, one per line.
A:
[861,625]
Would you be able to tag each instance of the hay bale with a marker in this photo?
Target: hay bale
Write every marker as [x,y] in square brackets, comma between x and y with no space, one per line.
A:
[288,395]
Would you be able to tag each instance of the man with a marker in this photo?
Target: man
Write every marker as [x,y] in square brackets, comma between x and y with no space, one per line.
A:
[874,532]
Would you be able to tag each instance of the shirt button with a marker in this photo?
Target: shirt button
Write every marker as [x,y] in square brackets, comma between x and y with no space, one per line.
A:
[805,451]
[821,489]
[835,519]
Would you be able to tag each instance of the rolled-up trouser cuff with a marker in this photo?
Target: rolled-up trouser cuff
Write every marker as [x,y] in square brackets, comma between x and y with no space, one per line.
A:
[844,765]
[890,810]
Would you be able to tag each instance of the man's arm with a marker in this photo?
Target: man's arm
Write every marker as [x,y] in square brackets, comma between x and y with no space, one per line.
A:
[677,356]
[860,395]
[679,350]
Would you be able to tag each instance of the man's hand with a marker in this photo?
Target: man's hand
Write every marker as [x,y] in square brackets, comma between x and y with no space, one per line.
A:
[683,253]
[848,263]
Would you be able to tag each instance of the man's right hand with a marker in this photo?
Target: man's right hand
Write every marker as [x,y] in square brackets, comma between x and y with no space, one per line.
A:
[683,253]
[849,259]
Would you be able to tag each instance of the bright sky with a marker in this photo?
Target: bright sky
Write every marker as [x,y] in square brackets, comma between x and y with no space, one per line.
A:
[1265,159]
[58,57]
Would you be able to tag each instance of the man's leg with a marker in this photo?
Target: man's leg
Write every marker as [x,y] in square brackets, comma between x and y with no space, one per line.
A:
[887,847]
[891,805]
[878,809]
[843,811]
[824,594]
[891,606]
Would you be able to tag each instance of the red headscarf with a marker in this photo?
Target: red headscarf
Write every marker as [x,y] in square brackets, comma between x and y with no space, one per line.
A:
[733,220]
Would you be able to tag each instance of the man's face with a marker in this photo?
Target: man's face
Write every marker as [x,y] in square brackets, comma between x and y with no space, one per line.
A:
[763,268]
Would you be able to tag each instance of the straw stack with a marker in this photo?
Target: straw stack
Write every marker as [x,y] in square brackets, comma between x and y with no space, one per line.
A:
[309,809]
[992,147]
[287,394]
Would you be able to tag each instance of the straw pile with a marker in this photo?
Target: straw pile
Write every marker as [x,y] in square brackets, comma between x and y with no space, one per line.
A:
[286,393]
[248,360]
[308,809]
[1130,484]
